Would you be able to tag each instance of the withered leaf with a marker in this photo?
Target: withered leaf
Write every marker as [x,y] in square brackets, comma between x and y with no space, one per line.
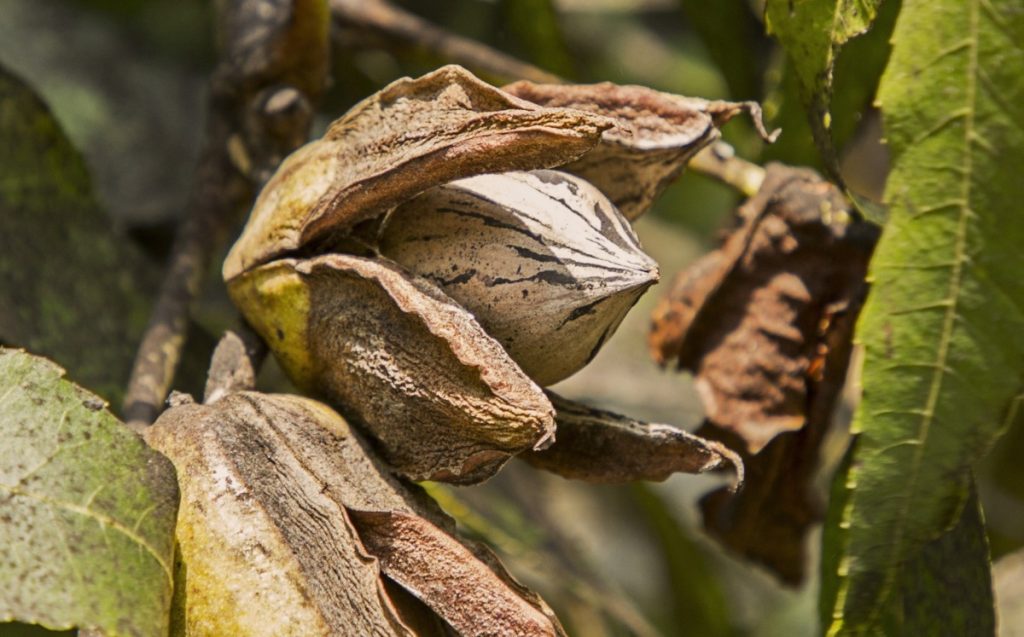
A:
[654,136]
[406,138]
[766,323]
[542,259]
[441,396]
[750,319]
[600,446]
[284,486]
[768,521]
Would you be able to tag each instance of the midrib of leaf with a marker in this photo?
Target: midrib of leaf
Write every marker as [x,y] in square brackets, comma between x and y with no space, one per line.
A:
[940,369]
[103,520]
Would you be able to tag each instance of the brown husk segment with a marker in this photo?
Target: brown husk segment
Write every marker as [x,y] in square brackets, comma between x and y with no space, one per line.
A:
[655,135]
[266,551]
[408,137]
[297,470]
[765,324]
[439,570]
[441,397]
[599,446]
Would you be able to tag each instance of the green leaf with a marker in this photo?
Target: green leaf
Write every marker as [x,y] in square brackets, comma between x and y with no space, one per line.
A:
[943,329]
[87,509]
[834,536]
[70,289]
[812,33]
[947,588]
[732,36]
[858,67]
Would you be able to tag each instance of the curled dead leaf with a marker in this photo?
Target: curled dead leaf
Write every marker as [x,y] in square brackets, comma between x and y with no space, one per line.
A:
[765,323]
[654,136]
[750,319]
[287,524]
[599,446]
[542,259]
[768,521]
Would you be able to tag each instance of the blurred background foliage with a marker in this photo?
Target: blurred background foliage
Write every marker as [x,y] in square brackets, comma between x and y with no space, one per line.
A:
[126,80]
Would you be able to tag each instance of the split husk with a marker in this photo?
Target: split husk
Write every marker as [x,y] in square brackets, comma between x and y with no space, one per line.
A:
[428,378]
[289,526]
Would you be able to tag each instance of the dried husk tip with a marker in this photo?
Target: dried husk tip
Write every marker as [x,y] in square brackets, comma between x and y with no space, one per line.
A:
[654,136]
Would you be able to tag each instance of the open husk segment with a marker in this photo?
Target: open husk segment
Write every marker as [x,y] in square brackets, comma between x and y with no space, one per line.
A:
[654,136]
[288,525]
[410,136]
[441,396]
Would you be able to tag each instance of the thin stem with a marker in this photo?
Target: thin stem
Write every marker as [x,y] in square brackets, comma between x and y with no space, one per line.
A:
[720,162]
[235,364]
[219,191]
[393,22]
[258,111]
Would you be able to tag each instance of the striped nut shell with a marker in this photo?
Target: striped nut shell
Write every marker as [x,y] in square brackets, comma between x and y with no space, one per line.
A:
[542,259]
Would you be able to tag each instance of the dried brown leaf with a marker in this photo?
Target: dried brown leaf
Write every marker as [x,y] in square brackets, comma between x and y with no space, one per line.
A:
[442,398]
[542,259]
[768,521]
[406,138]
[599,446]
[655,135]
[750,319]
[303,475]
[766,324]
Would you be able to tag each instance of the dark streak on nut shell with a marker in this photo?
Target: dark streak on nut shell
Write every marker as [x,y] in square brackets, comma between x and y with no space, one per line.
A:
[542,259]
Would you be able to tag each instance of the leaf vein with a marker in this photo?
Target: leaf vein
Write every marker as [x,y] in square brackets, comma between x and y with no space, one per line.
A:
[949,320]
[103,520]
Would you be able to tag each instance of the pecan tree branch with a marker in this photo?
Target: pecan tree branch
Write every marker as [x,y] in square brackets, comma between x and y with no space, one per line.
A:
[219,191]
[395,23]
[274,57]
[235,364]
